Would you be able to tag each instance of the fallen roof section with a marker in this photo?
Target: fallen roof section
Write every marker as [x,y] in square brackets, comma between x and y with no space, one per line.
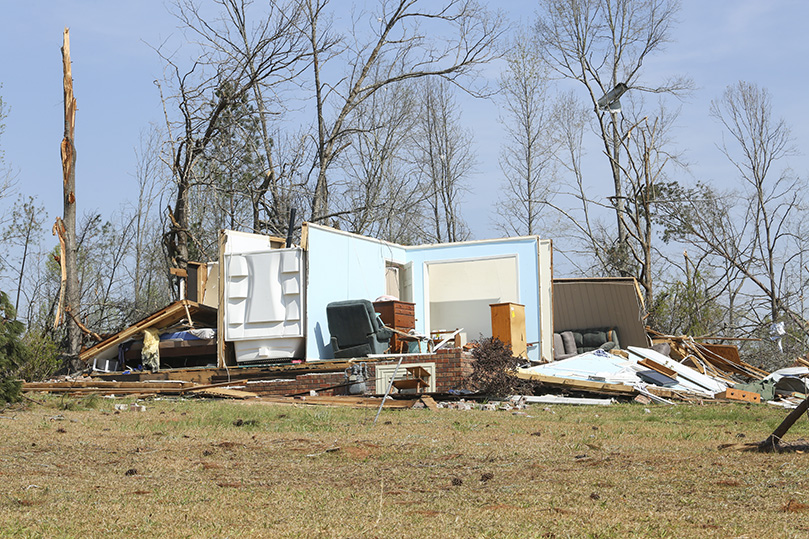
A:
[612,374]
[165,317]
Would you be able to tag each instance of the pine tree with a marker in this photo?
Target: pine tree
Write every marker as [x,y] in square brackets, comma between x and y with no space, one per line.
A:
[11,350]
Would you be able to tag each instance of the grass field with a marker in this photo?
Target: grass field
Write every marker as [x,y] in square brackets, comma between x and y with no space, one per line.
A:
[76,468]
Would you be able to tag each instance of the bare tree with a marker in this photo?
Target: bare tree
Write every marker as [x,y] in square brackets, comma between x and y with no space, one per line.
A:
[650,156]
[23,233]
[381,196]
[761,141]
[6,177]
[603,44]
[6,185]
[237,99]
[146,267]
[578,226]
[528,156]
[758,232]
[445,160]
[446,40]
[233,63]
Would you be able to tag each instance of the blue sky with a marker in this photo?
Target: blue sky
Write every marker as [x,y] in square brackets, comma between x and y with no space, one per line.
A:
[716,43]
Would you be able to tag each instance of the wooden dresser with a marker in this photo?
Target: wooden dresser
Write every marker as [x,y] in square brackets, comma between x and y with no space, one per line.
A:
[508,325]
[399,315]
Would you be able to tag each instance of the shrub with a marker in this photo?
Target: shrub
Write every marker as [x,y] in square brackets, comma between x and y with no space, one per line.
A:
[41,357]
[492,370]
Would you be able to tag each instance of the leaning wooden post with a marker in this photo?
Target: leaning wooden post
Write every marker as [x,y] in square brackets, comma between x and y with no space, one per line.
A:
[68,150]
[774,440]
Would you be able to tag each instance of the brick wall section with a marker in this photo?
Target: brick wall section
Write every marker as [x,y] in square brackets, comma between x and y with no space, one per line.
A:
[452,370]
[299,384]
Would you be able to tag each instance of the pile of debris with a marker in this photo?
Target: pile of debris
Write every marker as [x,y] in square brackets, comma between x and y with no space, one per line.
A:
[675,368]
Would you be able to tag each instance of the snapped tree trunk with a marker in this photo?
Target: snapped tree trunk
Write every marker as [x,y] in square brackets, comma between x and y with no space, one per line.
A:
[68,151]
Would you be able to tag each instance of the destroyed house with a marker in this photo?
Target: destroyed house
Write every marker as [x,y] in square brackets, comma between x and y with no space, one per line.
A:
[345,313]
[271,301]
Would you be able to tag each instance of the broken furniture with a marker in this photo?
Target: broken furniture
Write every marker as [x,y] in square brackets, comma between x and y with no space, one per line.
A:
[398,315]
[508,325]
[441,338]
[355,329]
[572,342]
[415,380]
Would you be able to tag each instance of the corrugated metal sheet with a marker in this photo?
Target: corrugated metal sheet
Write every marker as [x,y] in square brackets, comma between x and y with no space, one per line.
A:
[598,303]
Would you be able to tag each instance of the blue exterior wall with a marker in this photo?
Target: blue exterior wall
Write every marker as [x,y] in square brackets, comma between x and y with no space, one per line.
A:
[341,266]
[344,266]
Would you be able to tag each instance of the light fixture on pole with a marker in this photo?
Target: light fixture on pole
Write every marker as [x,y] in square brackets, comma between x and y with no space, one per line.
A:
[610,102]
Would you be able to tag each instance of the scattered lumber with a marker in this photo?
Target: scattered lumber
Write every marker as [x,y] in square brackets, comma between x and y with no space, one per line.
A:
[716,360]
[166,316]
[657,367]
[430,403]
[223,392]
[88,387]
[580,385]
[358,402]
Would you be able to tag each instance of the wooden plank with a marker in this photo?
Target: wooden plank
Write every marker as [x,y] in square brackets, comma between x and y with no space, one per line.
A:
[739,395]
[224,392]
[346,401]
[430,403]
[108,384]
[106,391]
[726,357]
[801,362]
[581,385]
[655,366]
[363,402]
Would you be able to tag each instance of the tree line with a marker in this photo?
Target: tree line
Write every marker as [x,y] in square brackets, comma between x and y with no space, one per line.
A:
[355,121]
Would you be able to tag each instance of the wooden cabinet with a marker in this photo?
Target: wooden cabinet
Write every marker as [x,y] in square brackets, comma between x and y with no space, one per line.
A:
[399,315]
[508,325]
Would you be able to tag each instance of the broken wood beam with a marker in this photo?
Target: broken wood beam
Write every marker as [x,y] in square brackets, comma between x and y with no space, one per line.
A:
[774,440]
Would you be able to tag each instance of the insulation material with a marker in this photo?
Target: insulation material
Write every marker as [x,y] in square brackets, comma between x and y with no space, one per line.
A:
[150,355]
